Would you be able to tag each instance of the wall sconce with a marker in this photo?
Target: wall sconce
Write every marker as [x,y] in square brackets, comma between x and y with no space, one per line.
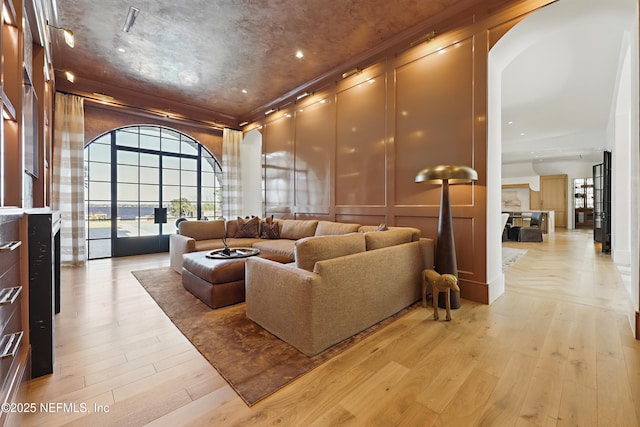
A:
[303,95]
[69,39]
[8,111]
[70,76]
[351,72]
[427,37]
[445,246]
[243,123]
[8,13]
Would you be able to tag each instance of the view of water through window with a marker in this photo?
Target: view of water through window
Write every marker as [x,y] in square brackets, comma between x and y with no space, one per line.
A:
[132,172]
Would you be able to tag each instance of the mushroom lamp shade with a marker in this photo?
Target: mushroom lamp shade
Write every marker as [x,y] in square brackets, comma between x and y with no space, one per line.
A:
[453,174]
[445,246]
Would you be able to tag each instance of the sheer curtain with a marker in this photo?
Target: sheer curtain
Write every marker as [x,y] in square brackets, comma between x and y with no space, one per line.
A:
[68,177]
[231,174]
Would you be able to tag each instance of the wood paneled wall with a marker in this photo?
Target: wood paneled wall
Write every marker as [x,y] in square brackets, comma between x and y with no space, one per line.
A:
[351,152]
[99,119]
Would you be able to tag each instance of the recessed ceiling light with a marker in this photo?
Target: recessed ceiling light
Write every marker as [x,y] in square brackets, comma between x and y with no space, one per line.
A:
[244,91]
[70,76]
[121,50]
[509,123]
[299,54]
[522,134]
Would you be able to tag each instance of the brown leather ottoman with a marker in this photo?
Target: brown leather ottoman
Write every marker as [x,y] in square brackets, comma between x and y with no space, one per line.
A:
[217,282]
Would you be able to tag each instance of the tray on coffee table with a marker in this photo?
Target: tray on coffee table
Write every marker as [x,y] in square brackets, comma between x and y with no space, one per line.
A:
[234,253]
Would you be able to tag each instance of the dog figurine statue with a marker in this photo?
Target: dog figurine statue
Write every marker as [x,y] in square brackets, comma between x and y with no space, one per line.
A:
[439,283]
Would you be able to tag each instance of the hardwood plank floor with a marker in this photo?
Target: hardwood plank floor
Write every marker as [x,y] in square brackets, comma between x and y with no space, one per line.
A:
[555,349]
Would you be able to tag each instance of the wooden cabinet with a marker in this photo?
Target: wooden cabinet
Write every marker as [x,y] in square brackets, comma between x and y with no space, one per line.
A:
[553,197]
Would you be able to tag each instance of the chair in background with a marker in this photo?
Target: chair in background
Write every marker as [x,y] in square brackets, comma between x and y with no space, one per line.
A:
[532,233]
[505,229]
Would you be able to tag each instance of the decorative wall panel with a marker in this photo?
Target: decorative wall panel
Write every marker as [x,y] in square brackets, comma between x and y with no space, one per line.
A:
[407,109]
[314,151]
[434,120]
[278,165]
[360,144]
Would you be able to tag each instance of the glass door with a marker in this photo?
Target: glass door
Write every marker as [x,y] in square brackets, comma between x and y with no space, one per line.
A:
[138,193]
[597,201]
[139,181]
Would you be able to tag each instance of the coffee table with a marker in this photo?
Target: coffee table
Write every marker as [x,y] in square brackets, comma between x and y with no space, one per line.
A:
[218,282]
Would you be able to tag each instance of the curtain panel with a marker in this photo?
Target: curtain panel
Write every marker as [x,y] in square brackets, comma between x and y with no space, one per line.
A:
[68,177]
[232,206]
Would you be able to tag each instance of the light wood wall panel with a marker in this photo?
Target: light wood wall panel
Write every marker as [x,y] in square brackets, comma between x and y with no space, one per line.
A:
[314,151]
[409,108]
[434,119]
[278,165]
[360,144]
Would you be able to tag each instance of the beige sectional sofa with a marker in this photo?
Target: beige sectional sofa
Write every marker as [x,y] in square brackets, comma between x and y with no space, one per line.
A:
[338,286]
[194,236]
[342,278]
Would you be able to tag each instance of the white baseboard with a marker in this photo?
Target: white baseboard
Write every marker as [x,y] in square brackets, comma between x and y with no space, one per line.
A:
[496,288]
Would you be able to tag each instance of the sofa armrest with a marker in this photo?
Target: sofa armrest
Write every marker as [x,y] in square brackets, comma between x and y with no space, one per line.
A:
[279,298]
[179,245]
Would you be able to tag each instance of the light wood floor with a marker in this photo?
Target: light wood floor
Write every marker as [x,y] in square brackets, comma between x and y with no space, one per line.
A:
[555,349]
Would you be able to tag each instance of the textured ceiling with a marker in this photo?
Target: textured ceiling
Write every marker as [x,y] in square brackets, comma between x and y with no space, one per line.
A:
[203,53]
[197,57]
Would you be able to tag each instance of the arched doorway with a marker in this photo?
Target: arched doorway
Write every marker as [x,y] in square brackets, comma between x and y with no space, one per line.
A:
[618,124]
[134,170]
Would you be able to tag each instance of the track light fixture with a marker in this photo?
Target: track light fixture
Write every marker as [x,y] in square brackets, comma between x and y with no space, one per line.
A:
[131,18]
[69,38]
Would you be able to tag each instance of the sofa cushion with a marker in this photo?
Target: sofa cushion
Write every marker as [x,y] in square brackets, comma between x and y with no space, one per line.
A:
[312,249]
[326,228]
[270,228]
[295,229]
[284,247]
[383,239]
[247,227]
[202,230]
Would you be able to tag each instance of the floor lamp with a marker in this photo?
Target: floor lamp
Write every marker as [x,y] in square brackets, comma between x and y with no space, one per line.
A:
[445,246]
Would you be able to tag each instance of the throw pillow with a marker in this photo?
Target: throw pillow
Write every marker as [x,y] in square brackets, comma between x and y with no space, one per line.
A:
[382,227]
[248,227]
[270,229]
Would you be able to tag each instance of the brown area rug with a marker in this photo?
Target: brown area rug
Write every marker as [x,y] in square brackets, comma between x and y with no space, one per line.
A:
[254,362]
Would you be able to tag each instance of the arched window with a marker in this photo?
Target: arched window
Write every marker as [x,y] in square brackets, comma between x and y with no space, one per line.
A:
[134,176]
